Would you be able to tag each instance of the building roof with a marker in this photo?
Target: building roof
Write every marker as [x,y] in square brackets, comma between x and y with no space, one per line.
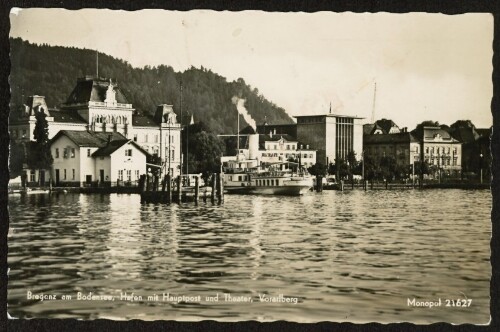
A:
[275,138]
[67,117]
[389,138]
[143,120]
[386,125]
[329,115]
[430,134]
[91,88]
[484,132]
[109,148]
[89,138]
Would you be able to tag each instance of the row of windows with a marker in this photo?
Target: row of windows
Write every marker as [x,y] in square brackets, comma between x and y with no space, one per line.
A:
[239,178]
[68,153]
[287,155]
[268,182]
[442,161]
[275,146]
[440,150]
[64,175]
[128,173]
[154,138]
[389,149]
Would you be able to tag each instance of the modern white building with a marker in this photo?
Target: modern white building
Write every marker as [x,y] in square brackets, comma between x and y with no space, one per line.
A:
[97,105]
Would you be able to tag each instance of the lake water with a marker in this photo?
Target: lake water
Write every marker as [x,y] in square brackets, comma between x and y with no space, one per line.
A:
[343,256]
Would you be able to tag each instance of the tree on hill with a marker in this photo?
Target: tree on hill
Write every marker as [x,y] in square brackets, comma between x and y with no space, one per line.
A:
[206,94]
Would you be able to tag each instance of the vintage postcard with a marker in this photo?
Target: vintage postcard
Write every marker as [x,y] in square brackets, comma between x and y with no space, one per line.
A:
[252,165]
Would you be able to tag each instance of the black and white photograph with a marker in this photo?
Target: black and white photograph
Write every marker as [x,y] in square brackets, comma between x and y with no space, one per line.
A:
[250,166]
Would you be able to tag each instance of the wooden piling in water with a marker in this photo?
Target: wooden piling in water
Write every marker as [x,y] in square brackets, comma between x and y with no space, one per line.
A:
[164,184]
[365,184]
[196,189]
[218,187]
[169,188]
[179,189]
[156,180]
[212,194]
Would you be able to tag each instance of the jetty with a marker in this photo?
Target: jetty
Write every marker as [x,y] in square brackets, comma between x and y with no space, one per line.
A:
[172,190]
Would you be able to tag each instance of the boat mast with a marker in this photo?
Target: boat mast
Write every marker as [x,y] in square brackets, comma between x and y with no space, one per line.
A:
[238,135]
[180,143]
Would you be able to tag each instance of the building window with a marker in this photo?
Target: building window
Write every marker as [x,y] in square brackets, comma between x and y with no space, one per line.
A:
[172,155]
[72,152]
[146,138]
[137,174]
[24,133]
[65,153]
[73,173]
[65,174]
[88,152]
[120,174]
[288,147]
[32,176]
[135,137]
[57,152]
[427,150]
[128,152]
[129,175]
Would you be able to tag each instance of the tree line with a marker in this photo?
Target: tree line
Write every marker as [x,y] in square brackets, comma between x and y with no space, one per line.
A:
[51,71]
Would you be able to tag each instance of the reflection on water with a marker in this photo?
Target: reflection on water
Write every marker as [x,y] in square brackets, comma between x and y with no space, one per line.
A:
[353,256]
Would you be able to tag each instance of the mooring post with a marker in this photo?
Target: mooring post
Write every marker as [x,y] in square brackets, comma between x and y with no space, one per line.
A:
[179,189]
[148,183]
[164,184]
[169,188]
[222,186]
[219,188]
[196,189]
[352,183]
[386,184]
[365,183]
[156,180]
[212,194]
[341,185]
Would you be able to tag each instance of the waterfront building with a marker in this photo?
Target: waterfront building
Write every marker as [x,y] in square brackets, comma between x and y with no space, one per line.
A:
[440,149]
[281,148]
[89,158]
[403,147]
[332,135]
[98,105]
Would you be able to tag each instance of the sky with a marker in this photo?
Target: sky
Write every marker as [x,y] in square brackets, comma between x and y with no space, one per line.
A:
[424,66]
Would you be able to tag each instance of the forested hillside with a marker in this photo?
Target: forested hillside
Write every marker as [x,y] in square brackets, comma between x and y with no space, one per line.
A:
[51,71]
